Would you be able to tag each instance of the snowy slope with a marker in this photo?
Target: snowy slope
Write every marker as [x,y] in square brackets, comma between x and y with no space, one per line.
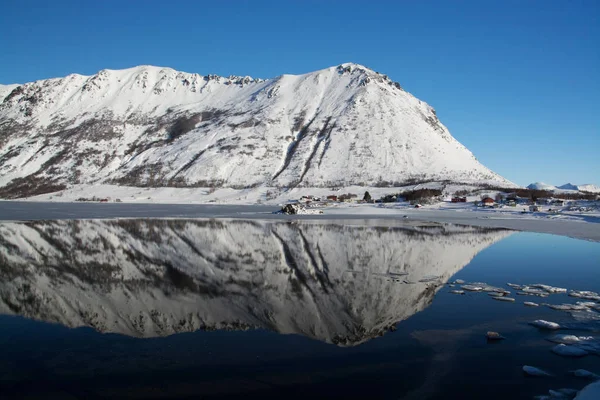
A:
[5,90]
[337,283]
[155,127]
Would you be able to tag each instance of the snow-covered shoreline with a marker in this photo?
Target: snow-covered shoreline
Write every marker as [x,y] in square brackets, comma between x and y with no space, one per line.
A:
[577,225]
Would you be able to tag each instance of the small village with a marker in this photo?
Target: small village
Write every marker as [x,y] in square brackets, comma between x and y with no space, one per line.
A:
[527,201]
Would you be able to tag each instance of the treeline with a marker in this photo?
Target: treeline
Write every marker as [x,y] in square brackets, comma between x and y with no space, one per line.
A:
[412,195]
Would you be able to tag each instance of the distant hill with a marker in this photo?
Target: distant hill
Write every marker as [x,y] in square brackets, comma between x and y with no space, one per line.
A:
[590,188]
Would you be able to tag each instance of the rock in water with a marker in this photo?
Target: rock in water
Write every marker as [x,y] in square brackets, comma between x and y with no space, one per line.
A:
[533,371]
[569,351]
[494,336]
[295,209]
[540,323]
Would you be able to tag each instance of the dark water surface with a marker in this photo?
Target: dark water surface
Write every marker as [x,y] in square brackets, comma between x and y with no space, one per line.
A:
[262,309]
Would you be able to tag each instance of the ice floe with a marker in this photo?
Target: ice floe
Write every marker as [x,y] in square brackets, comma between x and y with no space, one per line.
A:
[533,371]
[531,304]
[590,392]
[569,350]
[502,298]
[540,323]
[457,291]
[583,373]
[472,288]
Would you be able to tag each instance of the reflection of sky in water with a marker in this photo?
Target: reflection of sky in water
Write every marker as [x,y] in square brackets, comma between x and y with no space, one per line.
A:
[436,351]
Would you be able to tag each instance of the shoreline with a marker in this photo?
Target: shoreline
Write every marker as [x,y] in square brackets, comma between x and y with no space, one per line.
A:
[578,227]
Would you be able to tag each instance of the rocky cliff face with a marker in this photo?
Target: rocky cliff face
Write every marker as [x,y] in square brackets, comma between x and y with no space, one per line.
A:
[155,127]
[337,283]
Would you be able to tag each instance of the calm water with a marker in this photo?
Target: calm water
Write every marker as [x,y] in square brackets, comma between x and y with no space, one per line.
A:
[266,309]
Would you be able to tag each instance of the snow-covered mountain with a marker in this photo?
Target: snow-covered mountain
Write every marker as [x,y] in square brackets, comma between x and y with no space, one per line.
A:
[566,187]
[541,186]
[588,187]
[155,127]
[337,283]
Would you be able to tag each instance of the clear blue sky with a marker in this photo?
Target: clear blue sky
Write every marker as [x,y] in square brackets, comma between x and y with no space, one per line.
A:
[517,82]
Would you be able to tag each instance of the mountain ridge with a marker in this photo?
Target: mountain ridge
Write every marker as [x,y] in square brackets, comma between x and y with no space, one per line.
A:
[157,127]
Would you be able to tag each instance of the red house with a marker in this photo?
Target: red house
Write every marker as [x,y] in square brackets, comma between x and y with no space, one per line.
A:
[488,201]
[332,197]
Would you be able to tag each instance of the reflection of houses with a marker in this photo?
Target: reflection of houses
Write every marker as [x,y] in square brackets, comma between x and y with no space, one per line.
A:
[488,202]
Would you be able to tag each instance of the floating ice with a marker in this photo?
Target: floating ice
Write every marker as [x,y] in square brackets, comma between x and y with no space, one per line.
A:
[590,392]
[548,288]
[568,392]
[508,299]
[567,307]
[457,291]
[540,323]
[533,371]
[585,294]
[472,288]
[531,304]
[459,281]
[569,339]
[514,286]
[495,294]
[583,373]
[569,350]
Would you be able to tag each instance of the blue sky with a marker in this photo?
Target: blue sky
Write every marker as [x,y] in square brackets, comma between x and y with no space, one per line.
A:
[515,81]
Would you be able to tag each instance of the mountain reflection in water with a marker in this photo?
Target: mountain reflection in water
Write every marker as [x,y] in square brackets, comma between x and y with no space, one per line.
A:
[335,282]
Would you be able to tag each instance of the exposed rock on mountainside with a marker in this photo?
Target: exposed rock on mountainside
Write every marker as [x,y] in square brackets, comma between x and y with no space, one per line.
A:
[336,283]
[154,127]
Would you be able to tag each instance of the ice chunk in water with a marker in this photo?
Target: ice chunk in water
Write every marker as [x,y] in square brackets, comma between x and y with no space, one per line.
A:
[583,373]
[548,288]
[590,392]
[569,351]
[514,286]
[508,299]
[567,307]
[457,291]
[569,339]
[459,281]
[472,288]
[540,323]
[533,371]
[531,304]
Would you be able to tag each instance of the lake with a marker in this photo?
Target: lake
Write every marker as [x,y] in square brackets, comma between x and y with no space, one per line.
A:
[231,308]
